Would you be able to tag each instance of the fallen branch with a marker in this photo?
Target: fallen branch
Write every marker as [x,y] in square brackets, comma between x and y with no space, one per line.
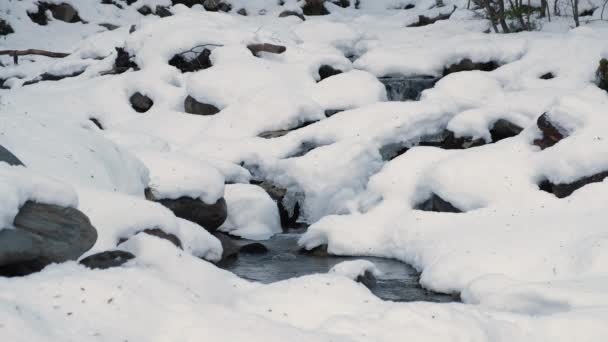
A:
[17,53]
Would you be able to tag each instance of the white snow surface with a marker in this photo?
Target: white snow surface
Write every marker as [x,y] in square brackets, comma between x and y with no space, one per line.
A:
[355,268]
[528,266]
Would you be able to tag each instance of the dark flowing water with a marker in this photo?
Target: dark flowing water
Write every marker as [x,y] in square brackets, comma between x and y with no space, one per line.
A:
[398,282]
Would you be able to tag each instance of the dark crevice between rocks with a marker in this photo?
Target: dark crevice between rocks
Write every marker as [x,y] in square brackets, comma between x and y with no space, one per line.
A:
[64,12]
[53,77]
[281,132]
[288,214]
[437,204]
[113,3]
[562,190]
[292,13]
[467,64]
[406,88]
[254,248]
[319,251]
[108,26]
[304,148]
[326,71]
[195,59]
[424,20]
[140,102]
[332,112]
[551,133]
[5,28]
[314,7]
[107,259]
[342,3]
[192,106]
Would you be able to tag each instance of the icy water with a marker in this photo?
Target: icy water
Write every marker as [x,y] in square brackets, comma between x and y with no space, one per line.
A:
[398,282]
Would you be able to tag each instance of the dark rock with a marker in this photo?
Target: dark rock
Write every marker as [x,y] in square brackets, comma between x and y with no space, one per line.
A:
[254,248]
[159,233]
[281,132]
[341,3]
[332,112]
[52,77]
[64,12]
[601,74]
[468,65]
[449,141]
[304,148]
[97,123]
[424,20]
[162,11]
[562,190]
[437,204]
[132,29]
[319,251]
[192,106]
[326,71]
[289,216]
[409,6]
[192,60]
[209,216]
[145,10]
[242,12]
[122,62]
[188,3]
[256,49]
[110,27]
[5,28]
[107,259]
[216,5]
[547,76]
[141,103]
[9,158]
[368,279]
[112,2]
[391,151]
[292,13]
[586,13]
[404,88]
[314,7]
[44,234]
[551,132]
[230,250]
[503,129]
[149,194]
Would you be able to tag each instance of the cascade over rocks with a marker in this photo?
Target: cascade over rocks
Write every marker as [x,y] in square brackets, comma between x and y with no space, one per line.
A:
[326,71]
[551,132]
[192,106]
[437,204]
[562,190]
[107,259]
[64,12]
[404,88]
[44,234]
[468,65]
[141,103]
[209,216]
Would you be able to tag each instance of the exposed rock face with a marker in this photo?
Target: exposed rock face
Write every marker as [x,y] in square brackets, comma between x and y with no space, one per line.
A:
[159,233]
[562,190]
[551,132]
[43,234]
[289,215]
[468,65]
[292,13]
[5,28]
[64,12]
[402,88]
[256,49]
[108,259]
[368,279]
[314,7]
[437,204]
[53,77]
[192,106]
[601,74]
[547,76]
[424,20]
[141,103]
[9,158]
[254,248]
[503,129]
[209,216]
[326,71]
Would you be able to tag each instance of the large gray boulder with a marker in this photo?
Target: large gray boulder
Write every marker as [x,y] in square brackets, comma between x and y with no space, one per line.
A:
[209,216]
[44,234]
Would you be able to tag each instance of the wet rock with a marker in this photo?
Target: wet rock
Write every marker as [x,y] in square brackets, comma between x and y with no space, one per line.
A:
[601,74]
[5,28]
[551,132]
[562,190]
[424,20]
[503,129]
[8,157]
[292,13]
[145,10]
[254,248]
[242,12]
[289,215]
[367,279]
[162,11]
[141,103]
[209,216]
[64,12]
[107,259]
[230,250]
[437,204]
[314,7]
[159,233]
[404,88]
[449,141]
[53,77]
[109,27]
[192,106]
[468,65]
[122,62]
[319,251]
[326,71]
[198,58]
[256,49]
[44,234]
[547,76]
[97,123]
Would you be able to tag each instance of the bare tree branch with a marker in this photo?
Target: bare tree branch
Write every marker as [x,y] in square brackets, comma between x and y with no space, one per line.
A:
[17,53]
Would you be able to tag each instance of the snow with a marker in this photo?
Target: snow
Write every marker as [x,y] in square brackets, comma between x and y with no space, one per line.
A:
[253,214]
[355,268]
[527,265]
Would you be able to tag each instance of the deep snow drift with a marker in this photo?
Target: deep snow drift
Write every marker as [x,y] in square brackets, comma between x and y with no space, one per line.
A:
[529,266]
